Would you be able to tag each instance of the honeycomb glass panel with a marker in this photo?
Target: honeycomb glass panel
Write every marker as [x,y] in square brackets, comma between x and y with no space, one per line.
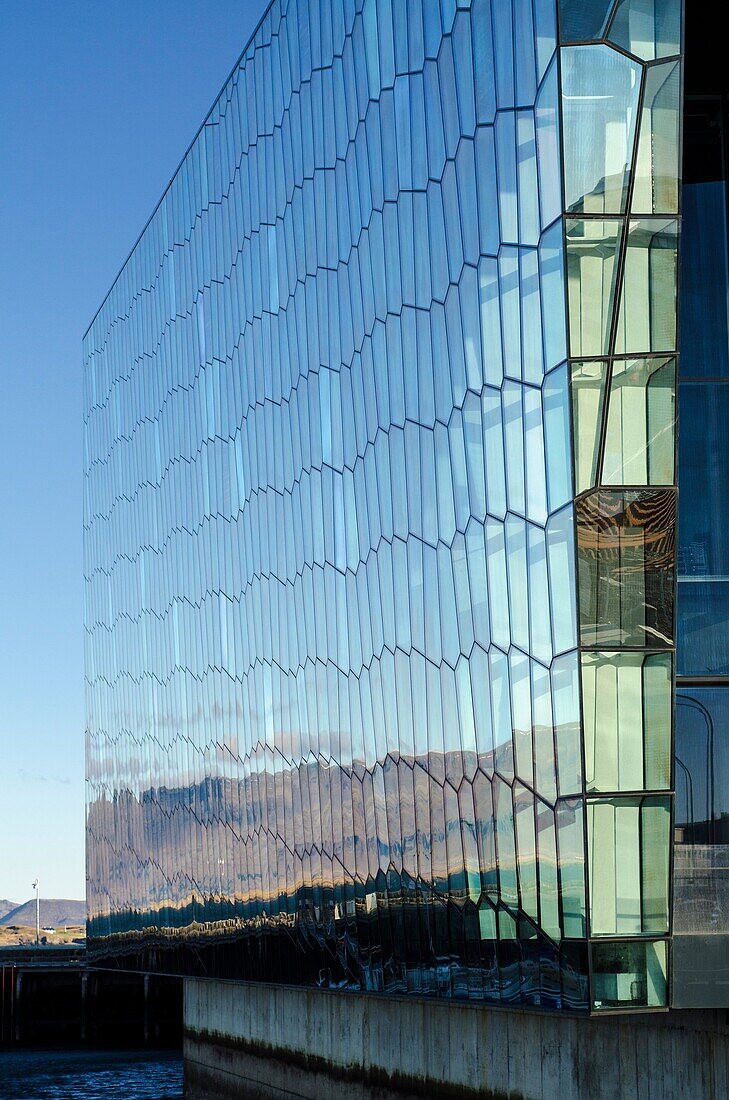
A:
[571,856]
[548,885]
[581,20]
[331,633]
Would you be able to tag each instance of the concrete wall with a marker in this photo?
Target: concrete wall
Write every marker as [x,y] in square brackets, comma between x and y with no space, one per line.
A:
[260,1041]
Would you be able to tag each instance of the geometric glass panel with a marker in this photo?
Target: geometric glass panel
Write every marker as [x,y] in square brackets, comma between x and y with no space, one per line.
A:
[629,974]
[640,440]
[657,171]
[647,317]
[627,702]
[626,561]
[600,94]
[649,29]
[592,247]
[628,844]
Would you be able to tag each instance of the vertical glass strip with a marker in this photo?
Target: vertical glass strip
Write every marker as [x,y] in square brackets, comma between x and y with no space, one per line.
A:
[621,183]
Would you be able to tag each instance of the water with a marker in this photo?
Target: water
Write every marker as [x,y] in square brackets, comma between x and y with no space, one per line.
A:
[90,1075]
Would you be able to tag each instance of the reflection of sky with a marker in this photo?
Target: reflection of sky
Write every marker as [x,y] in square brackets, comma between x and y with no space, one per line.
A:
[105,99]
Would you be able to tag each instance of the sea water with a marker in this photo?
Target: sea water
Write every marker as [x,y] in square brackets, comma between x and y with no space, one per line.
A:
[90,1075]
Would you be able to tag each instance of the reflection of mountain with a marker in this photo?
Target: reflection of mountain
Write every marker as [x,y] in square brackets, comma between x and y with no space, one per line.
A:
[398,876]
[444,849]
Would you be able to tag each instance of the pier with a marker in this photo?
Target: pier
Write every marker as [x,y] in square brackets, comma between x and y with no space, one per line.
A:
[49,996]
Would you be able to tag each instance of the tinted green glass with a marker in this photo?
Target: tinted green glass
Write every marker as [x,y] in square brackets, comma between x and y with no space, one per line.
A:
[628,846]
[657,173]
[591,272]
[647,318]
[587,381]
[626,708]
[640,438]
[600,94]
[647,28]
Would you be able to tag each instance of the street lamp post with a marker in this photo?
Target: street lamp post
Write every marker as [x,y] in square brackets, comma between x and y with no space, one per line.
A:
[37,913]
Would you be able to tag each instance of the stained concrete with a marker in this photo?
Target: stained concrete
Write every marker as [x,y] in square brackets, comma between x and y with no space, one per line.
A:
[265,1042]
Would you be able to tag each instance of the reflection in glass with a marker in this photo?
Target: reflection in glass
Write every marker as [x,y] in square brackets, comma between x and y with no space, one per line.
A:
[626,713]
[591,272]
[647,317]
[547,854]
[583,19]
[647,28]
[626,559]
[600,93]
[571,850]
[588,395]
[505,842]
[332,601]
[639,442]
[655,188]
[701,853]
[629,974]
[526,848]
[640,438]
[703,556]
[628,839]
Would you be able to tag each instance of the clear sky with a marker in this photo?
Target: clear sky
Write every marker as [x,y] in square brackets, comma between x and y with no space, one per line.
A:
[98,101]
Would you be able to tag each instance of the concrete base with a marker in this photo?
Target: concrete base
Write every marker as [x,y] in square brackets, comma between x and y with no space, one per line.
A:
[274,1043]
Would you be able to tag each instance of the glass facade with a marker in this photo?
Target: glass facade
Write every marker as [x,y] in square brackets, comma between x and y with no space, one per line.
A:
[701,876]
[621,109]
[380,514]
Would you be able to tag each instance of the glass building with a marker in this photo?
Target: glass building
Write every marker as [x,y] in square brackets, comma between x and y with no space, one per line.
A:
[381,515]
[701,878]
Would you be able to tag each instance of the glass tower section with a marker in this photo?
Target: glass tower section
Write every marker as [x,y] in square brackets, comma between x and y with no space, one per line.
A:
[380,511]
[701,876]
[620,89]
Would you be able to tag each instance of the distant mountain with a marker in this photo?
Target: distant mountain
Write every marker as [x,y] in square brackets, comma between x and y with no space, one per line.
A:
[54,912]
[6,906]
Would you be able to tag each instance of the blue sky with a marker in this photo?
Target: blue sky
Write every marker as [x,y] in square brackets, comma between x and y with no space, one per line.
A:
[99,99]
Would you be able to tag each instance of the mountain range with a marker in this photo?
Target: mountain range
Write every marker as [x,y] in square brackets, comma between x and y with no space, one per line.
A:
[55,912]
